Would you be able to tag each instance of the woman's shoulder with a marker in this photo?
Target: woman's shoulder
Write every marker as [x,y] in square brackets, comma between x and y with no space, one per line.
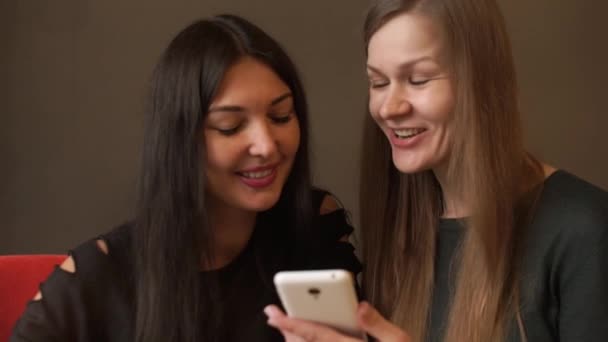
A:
[104,256]
[333,231]
[90,283]
[570,200]
[324,201]
[95,254]
[332,218]
[571,212]
[566,256]
[564,185]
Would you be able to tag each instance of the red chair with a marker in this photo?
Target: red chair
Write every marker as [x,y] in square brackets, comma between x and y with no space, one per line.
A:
[20,276]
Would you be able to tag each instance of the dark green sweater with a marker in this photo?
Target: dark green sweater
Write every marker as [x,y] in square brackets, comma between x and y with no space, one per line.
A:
[565,266]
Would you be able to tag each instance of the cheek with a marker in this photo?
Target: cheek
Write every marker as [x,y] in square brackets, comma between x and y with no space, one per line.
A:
[220,154]
[440,105]
[375,101]
[289,138]
[446,108]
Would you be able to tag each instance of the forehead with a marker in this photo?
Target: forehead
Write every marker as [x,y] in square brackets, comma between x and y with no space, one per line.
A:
[249,81]
[405,37]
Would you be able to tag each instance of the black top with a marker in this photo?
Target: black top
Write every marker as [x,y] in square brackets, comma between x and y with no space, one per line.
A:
[95,303]
[565,266]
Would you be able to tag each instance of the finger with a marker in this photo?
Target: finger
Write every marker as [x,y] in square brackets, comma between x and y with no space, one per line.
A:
[289,337]
[373,323]
[273,311]
[308,331]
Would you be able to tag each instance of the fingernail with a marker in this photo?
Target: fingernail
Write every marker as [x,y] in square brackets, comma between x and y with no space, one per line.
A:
[271,311]
[364,310]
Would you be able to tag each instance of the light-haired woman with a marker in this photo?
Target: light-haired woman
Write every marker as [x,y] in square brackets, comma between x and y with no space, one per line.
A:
[466,236]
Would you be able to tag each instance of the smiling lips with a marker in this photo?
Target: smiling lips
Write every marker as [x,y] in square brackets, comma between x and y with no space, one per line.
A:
[406,137]
[408,132]
[259,177]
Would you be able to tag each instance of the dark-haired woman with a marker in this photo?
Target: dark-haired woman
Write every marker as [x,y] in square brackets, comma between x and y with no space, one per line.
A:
[225,202]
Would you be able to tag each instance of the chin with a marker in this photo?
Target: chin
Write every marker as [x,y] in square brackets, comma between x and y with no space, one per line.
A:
[408,170]
[409,166]
[259,207]
[261,202]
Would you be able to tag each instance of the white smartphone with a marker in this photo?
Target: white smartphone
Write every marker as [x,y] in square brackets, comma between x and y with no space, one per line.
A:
[324,296]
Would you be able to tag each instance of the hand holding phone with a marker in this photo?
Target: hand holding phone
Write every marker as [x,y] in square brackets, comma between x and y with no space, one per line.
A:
[323,296]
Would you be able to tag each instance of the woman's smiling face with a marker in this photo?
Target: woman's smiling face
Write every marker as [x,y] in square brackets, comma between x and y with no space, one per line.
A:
[411,94]
[252,136]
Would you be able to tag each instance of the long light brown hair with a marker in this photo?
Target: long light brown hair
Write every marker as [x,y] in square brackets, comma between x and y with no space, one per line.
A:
[487,163]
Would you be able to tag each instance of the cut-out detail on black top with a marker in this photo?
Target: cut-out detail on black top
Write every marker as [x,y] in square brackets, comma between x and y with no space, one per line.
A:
[95,303]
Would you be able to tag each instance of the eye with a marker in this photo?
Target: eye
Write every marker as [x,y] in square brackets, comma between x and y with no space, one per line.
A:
[418,81]
[229,131]
[376,84]
[281,118]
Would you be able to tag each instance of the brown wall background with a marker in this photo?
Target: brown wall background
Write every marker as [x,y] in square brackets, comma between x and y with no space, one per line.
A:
[73,75]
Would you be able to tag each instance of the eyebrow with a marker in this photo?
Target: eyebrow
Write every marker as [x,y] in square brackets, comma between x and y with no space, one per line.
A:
[404,65]
[281,98]
[238,109]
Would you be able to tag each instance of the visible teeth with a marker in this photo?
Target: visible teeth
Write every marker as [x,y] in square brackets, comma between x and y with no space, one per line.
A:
[260,174]
[408,132]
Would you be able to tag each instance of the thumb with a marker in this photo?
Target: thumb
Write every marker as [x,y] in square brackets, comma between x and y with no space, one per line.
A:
[374,324]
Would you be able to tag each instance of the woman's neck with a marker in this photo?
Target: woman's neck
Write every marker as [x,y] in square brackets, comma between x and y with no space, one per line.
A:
[231,229]
[454,203]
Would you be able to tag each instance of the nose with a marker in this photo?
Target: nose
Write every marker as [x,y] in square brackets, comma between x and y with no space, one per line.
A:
[394,104]
[263,142]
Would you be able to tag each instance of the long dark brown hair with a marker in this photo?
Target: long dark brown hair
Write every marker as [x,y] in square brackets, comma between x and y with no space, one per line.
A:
[171,234]
[487,162]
